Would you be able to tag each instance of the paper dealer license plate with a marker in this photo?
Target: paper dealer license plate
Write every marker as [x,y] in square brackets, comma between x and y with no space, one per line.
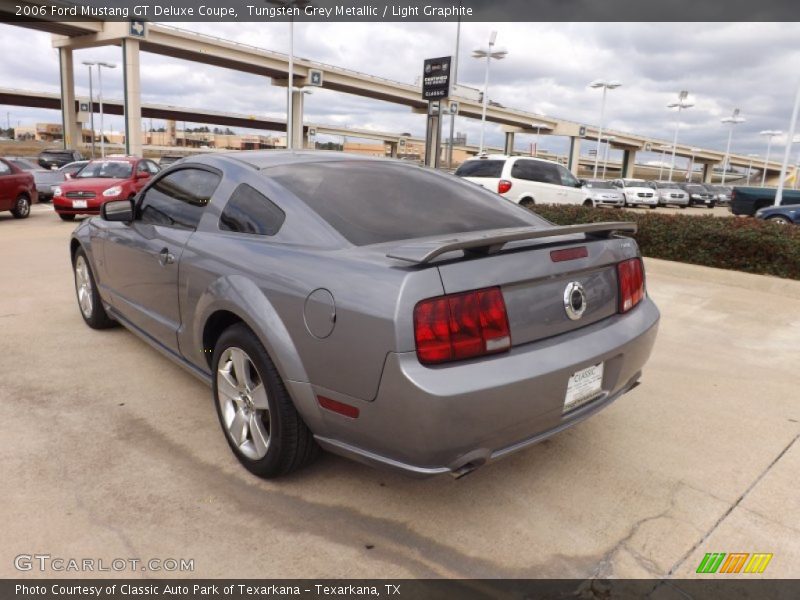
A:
[583,386]
[79,204]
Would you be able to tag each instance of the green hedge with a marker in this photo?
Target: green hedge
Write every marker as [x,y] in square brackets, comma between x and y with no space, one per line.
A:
[741,244]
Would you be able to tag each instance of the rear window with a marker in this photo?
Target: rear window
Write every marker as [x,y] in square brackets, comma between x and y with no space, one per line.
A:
[373,202]
[55,154]
[481,168]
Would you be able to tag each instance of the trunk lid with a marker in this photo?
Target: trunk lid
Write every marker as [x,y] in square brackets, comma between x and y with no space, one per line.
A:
[534,285]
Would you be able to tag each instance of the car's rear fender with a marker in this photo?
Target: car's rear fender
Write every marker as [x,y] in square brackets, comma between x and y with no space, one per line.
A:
[242,298]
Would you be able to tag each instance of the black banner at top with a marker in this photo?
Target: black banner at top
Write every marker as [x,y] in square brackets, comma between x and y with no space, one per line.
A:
[535,11]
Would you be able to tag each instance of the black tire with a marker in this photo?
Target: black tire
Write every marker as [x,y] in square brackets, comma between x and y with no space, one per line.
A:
[711,206]
[95,315]
[64,217]
[653,207]
[682,206]
[22,207]
[291,444]
[588,202]
[527,202]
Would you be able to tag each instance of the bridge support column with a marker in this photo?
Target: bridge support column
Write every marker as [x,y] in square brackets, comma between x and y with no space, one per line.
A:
[628,163]
[708,172]
[574,155]
[298,141]
[70,132]
[132,97]
[509,146]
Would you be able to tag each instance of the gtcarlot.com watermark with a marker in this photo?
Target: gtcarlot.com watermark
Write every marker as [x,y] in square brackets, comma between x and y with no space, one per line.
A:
[46,563]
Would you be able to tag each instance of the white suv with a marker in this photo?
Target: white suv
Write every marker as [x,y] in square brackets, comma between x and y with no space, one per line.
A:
[526,181]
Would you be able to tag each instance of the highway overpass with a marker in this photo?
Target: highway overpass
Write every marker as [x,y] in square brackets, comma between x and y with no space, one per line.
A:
[171,41]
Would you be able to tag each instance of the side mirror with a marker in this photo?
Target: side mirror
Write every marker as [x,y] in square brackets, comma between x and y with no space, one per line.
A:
[142,175]
[117,210]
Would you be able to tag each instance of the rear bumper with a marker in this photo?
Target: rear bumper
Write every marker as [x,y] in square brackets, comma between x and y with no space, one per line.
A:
[426,421]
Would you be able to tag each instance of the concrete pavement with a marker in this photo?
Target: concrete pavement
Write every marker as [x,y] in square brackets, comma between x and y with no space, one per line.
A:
[109,450]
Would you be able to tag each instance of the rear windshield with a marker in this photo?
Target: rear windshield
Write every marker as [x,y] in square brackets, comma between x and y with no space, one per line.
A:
[481,168]
[373,202]
[696,188]
[56,154]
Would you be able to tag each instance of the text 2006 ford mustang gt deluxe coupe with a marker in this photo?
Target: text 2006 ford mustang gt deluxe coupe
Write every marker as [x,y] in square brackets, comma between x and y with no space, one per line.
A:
[385,312]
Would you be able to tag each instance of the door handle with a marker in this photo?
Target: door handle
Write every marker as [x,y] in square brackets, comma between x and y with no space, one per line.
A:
[165,257]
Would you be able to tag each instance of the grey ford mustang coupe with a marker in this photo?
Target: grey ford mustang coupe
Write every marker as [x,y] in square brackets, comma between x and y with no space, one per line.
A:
[385,312]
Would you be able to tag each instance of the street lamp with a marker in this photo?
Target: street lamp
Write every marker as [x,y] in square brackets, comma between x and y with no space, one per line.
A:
[788,150]
[733,120]
[690,172]
[607,139]
[487,53]
[107,65]
[606,85]
[289,5]
[750,167]
[663,149]
[538,127]
[769,133]
[682,103]
[90,64]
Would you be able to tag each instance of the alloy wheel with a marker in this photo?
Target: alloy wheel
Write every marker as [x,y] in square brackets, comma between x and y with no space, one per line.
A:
[83,285]
[243,403]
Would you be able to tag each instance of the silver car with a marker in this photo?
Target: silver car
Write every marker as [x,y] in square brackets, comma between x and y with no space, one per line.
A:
[603,193]
[670,194]
[382,311]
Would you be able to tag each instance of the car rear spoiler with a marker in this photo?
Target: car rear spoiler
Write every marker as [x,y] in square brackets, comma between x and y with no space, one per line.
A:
[489,242]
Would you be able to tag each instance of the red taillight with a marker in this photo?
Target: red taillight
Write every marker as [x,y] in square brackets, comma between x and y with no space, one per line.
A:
[460,326]
[503,186]
[631,283]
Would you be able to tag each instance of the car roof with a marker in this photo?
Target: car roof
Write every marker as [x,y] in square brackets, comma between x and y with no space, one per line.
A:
[262,159]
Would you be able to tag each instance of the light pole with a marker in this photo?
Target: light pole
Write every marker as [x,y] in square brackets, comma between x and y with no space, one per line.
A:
[606,85]
[682,103]
[663,149]
[769,133]
[690,172]
[788,151]
[733,120]
[538,131]
[487,53]
[290,5]
[90,64]
[750,167]
[607,139]
[100,97]
[455,78]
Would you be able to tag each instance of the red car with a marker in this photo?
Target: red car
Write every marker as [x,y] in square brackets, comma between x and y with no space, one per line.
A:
[102,180]
[17,189]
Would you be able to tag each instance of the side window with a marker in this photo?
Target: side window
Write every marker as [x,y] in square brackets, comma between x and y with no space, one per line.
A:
[142,167]
[535,170]
[152,167]
[178,199]
[4,168]
[567,178]
[248,211]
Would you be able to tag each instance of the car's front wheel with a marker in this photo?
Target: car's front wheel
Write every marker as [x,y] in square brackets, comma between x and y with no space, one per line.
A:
[258,417]
[89,301]
[779,220]
[22,207]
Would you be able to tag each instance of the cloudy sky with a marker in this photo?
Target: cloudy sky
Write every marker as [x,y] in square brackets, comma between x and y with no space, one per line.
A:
[751,66]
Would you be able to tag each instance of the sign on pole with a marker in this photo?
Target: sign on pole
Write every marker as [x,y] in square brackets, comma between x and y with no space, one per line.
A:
[315,77]
[436,78]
